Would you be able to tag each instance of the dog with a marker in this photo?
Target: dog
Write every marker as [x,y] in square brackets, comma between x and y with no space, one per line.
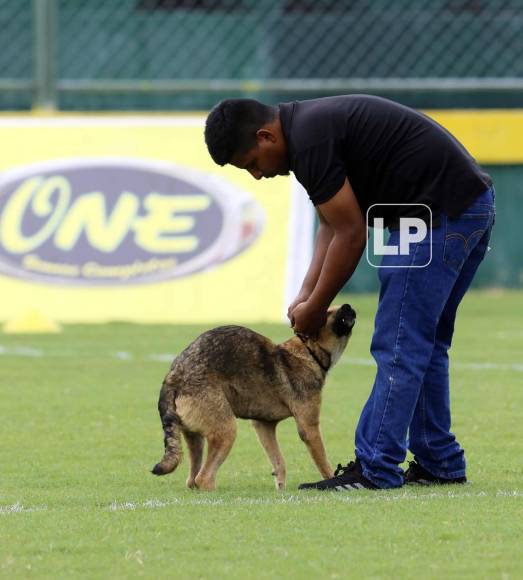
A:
[231,372]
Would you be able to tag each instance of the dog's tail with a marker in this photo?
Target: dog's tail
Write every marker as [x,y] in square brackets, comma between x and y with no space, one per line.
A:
[171,428]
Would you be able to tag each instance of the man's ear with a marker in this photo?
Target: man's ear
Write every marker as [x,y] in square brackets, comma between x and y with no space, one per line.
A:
[265,134]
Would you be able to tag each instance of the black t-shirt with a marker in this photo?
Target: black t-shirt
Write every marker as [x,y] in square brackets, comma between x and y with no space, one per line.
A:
[391,154]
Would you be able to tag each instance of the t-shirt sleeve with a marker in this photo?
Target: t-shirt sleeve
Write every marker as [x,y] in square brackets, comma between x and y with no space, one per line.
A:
[320,170]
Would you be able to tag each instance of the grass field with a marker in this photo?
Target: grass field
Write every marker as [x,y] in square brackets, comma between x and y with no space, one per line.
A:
[79,433]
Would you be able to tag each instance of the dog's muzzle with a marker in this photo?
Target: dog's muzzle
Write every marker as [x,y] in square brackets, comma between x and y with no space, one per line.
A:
[344,320]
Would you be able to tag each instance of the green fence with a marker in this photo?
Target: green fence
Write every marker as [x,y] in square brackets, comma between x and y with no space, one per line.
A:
[186,54]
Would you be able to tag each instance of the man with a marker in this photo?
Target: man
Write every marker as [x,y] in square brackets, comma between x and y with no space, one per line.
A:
[350,153]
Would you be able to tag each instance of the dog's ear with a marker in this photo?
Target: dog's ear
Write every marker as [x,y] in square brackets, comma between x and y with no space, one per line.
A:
[343,320]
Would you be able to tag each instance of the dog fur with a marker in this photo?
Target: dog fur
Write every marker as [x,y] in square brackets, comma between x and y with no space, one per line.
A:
[231,372]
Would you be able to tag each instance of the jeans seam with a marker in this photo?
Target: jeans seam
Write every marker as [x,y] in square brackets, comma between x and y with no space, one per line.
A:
[424,422]
[395,360]
[468,216]
[456,235]
[466,240]
[475,233]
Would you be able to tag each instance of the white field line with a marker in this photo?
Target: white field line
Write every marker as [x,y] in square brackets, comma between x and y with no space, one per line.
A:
[508,334]
[20,351]
[361,362]
[307,499]
[489,366]
[18,508]
[124,355]
[165,357]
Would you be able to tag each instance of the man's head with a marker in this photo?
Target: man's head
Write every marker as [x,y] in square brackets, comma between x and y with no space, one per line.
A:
[248,135]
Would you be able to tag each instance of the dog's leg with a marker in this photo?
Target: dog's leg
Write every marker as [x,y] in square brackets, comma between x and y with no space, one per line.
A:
[307,416]
[195,445]
[266,431]
[219,444]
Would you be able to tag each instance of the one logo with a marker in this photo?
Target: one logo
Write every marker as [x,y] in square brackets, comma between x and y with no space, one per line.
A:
[412,224]
[105,221]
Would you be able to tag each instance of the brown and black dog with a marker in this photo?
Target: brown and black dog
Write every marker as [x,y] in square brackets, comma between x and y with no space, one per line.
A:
[231,372]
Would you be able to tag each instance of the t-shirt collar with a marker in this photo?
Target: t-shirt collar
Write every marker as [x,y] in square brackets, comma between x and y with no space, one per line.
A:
[286,116]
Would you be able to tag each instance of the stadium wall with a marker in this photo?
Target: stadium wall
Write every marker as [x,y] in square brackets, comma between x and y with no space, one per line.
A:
[127,218]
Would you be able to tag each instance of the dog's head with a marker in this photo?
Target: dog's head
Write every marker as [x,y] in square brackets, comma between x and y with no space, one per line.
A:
[342,320]
[334,335]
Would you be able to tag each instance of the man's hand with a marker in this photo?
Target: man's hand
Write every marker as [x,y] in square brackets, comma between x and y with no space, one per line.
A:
[303,296]
[307,319]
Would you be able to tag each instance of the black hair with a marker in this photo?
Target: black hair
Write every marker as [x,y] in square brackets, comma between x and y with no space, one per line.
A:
[231,127]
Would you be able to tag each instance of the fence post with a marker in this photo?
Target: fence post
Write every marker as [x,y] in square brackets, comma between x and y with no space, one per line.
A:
[45,54]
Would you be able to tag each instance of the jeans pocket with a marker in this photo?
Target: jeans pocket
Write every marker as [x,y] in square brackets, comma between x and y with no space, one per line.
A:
[462,235]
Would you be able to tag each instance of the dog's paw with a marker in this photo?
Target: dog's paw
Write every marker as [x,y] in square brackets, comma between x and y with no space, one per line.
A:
[204,484]
[158,470]
[278,481]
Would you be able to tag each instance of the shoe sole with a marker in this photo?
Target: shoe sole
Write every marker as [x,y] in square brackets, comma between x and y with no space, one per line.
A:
[338,488]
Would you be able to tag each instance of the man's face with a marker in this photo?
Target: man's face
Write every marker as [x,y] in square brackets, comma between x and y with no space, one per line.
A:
[267,158]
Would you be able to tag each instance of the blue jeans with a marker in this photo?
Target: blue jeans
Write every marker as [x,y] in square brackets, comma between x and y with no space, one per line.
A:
[413,332]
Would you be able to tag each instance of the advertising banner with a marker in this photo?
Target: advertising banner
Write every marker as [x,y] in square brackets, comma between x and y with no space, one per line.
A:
[129,219]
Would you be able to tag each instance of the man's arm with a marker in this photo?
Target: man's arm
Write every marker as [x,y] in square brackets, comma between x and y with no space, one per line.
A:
[324,235]
[343,215]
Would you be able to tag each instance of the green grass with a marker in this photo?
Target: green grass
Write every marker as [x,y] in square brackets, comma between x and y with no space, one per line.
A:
[79,433]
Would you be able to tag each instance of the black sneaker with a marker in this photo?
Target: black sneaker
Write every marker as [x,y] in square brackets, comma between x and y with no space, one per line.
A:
[416,474]
[346,478]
